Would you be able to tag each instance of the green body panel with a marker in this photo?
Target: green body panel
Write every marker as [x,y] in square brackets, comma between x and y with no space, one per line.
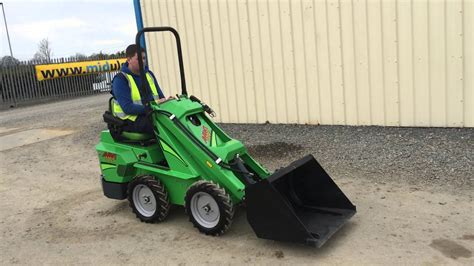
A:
[136,136]
[117,159]
[185,162]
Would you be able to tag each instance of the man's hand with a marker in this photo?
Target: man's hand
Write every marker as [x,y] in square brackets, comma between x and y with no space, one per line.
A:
[148,110]
[162,100]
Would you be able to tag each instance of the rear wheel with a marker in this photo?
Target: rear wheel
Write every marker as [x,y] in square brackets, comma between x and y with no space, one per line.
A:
[209,208]
[148,199]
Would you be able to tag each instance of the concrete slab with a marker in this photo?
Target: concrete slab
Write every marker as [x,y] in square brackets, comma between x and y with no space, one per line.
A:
[29,136]
[7,129]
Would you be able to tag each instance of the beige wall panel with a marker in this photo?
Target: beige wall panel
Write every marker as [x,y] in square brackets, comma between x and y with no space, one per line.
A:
[266,88]
[277,61]
[376,60]
[437,66]
[361,55]
[221,65]
[200,55]
[249,83]
[164,46]
[169,15]
[311,62]
[190,56]
[351,108]
[238,70]
[324,70]
[405,62]
[344,62]
[215,82]
[421,63]
[468,60]
[266,57]
[299,56]
[288,62]
[182,12]
[454,57]
[390,62]
[256,44]
[230,90]
[335,60]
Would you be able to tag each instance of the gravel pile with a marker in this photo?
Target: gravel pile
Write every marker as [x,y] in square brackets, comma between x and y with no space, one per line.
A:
[417,156]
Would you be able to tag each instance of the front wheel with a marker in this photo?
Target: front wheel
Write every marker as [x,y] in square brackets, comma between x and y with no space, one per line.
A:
[149,199]
[209,208]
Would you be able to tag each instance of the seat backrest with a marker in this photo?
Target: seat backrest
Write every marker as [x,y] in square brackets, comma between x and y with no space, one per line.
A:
[115,126]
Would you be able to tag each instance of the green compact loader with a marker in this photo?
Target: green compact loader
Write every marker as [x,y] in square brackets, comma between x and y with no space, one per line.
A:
[191,162]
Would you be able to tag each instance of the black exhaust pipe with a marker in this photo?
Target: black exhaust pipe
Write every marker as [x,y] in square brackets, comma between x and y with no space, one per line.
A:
[299,203]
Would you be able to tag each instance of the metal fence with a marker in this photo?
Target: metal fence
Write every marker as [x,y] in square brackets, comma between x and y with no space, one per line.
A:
[19,85]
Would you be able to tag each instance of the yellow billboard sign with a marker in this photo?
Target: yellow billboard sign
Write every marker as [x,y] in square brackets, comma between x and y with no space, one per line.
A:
[52,71]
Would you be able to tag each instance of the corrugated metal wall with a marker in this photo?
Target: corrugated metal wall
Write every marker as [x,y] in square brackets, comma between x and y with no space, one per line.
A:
[359,62]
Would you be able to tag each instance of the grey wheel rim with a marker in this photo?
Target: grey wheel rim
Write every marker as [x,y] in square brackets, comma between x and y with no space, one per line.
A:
[144,200]
[205,210]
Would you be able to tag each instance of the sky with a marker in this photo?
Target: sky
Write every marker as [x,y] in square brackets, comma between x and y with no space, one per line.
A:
[74,26]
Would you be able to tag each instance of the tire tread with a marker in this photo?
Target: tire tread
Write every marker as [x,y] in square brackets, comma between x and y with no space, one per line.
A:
[161,196]
[223,201]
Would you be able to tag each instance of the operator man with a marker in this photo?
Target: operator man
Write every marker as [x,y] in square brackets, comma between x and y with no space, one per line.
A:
[126,91]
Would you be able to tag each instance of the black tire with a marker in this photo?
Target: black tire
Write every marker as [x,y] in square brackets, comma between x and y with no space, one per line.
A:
[160,196]
[224,203]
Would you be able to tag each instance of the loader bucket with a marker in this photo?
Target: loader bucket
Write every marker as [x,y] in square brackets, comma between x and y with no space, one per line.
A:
[299,203]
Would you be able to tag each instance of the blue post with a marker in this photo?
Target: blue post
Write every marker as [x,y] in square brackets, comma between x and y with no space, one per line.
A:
[139,19]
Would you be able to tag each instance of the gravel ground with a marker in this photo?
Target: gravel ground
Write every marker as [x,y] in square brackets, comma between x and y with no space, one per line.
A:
[441,157]
[412,188]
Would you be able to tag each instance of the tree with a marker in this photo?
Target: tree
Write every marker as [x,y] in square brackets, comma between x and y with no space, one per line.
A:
[44,52]
[119,53]
[9,61]
[99,56]
[79,57]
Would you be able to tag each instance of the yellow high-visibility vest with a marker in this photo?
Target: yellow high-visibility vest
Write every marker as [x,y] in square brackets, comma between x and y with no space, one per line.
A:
[135,95]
